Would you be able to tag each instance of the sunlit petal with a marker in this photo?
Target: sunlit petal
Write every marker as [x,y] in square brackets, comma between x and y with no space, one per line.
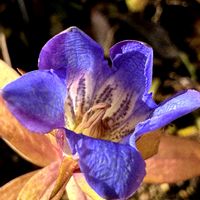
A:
[126,90]
[114,170]
[169,110]
[37,99]
[84,62]
[136,57]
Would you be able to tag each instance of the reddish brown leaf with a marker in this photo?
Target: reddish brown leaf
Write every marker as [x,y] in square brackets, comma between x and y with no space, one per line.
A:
[41,184]
[50,182]
[11,190]
[148,144]
[177,159]
[36,148]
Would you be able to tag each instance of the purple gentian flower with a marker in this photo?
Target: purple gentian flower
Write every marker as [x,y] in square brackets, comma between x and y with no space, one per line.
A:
[109,107]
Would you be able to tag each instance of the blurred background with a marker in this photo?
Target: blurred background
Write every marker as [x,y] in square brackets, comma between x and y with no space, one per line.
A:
[171,27]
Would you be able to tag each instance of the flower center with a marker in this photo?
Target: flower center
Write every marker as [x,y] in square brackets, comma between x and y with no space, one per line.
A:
[92,123]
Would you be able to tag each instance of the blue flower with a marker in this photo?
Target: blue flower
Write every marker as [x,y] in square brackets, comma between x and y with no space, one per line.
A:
[103,109]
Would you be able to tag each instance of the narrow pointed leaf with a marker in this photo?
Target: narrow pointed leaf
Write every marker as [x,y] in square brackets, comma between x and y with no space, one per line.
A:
[66,169]
[178,159]
[41,184]
[35,148]
[11,190]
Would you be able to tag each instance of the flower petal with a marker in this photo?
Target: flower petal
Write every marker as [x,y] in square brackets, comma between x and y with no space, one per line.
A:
[169,110]
[126,89]
[122,124]
[113,170]
[73,50]
[36,99]
[136,58]
[85,67]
